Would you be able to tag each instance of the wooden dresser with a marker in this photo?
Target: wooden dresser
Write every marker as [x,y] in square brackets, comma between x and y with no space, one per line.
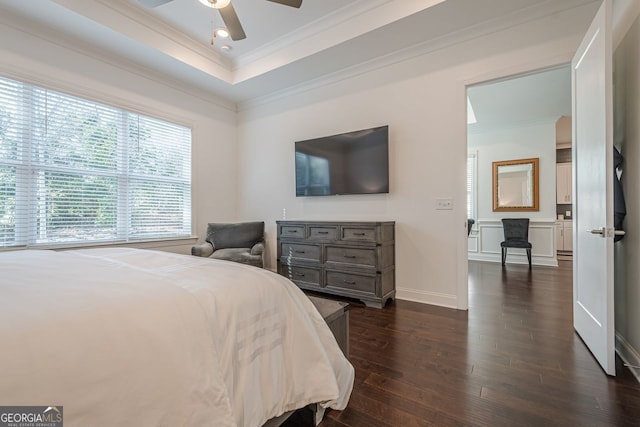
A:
[351,259]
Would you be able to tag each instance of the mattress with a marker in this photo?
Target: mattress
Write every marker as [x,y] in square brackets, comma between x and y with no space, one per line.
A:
[121,336]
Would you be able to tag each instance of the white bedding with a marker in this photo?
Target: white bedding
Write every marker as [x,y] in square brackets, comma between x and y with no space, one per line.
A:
[133,337]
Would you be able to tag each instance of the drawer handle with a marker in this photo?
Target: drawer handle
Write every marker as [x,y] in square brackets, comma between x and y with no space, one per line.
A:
[323,232]
[350,256]
[299,252]
[349,282]
[358,234]
[299,274]
[292,231]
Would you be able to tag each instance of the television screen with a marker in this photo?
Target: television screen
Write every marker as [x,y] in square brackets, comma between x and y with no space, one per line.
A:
[350,163]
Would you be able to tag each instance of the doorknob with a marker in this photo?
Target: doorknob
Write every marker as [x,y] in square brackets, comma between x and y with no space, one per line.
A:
[607,233]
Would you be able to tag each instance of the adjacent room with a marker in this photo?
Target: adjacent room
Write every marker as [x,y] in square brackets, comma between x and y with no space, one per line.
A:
[516,119]
[291,212]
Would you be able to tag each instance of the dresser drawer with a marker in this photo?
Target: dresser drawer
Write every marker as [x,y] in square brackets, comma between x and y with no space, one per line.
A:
[361,257]
[350,259]
[300,252]
[318,232]
[350,282]
[301,276]
[292,231]
[359,234]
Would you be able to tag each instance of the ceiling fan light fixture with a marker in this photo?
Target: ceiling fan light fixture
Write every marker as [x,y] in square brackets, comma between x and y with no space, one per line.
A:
[216,4]
[221,32]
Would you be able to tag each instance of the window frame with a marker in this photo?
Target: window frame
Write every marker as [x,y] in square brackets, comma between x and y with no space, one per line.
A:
[472,157]
[23,224]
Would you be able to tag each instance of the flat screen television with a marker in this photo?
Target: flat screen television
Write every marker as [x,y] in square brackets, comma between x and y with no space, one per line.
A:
[349,163]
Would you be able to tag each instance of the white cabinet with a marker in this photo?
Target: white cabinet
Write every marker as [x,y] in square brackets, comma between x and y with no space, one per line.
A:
[563,183]
[564,236]
[567,235]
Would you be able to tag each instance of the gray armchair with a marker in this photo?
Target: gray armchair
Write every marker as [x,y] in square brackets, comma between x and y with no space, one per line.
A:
[239,242]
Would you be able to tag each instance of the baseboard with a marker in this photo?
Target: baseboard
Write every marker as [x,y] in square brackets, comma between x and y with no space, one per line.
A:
[628,354]
[513,259]
[432,298]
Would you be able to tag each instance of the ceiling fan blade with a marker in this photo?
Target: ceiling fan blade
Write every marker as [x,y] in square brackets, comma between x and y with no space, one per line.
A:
[232,22]
[292,3]
[153,3]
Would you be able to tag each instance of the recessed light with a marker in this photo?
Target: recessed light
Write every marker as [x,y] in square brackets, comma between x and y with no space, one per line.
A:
[226,48]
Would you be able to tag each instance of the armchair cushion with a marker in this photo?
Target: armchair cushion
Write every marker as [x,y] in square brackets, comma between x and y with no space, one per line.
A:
[257,249]
[238,242]
[241,255]
[516,244]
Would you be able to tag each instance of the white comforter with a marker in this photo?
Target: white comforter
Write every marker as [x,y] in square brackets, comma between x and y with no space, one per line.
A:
[133,337]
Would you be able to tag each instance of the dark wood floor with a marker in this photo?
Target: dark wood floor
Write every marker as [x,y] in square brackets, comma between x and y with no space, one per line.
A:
[512,360]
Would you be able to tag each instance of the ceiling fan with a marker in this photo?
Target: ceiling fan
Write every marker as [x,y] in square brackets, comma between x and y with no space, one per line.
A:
[227,12]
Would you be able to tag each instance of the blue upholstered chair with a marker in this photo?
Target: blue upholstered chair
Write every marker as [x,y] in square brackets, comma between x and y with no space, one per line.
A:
[239,242]
[516,235]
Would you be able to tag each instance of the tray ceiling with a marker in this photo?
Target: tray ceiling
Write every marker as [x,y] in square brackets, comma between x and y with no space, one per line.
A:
[284,47]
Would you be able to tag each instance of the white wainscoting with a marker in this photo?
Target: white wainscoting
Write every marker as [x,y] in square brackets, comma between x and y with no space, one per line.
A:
[485,238]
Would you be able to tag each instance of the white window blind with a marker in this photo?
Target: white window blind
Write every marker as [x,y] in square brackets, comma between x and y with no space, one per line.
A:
[471,185]
[73,170]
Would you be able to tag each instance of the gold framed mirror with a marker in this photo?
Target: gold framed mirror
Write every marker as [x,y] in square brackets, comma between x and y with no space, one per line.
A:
[515,185]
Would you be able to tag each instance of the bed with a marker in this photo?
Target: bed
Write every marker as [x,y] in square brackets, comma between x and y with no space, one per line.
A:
[121,336]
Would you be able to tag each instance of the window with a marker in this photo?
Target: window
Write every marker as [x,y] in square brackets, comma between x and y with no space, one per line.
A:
[472,185]
[73,170]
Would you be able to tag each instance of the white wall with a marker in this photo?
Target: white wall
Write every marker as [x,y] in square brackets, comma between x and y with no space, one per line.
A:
[627,251]
[39,60]
[423,100]
[523,142]
[563,130]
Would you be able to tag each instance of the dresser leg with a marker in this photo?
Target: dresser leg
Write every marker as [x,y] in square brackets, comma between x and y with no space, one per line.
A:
[373,304]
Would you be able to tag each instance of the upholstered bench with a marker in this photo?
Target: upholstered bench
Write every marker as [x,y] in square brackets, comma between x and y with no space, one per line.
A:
[336,314]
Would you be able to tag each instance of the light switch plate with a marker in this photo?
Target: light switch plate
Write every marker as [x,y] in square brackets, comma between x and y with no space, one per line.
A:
[567,214]
[444,203]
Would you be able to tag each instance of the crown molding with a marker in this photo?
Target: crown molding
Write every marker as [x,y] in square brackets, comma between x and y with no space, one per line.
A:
[142,26]
[321,25]
[495,25]
[48,35]
[341,25]
[130,16]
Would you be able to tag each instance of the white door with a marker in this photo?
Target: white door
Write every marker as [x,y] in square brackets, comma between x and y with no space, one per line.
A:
[593,196]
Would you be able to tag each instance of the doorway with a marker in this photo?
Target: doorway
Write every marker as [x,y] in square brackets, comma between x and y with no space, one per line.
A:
[520,117]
